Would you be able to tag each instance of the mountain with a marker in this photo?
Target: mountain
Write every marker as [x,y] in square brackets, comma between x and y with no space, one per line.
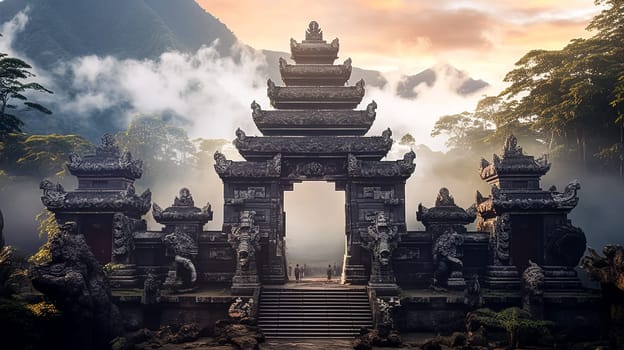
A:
[460,82]
[59,30]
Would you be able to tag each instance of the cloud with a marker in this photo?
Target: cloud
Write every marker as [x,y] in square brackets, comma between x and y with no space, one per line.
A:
[479,35]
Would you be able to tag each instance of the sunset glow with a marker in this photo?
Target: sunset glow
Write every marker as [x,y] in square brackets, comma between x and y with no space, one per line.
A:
[482,37]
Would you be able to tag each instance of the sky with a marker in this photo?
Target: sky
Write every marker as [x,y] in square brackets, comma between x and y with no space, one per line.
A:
[483,37]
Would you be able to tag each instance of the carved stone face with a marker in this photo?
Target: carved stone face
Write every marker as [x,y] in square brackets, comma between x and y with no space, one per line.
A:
[383,250]
[244,251]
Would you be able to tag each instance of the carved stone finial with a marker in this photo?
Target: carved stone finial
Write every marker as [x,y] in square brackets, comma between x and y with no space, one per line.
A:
[444,198]
[282,63]
[185,199]
[347,62]
[222,164]
[335,43]
[359,86]
[240,134]
[511,148]
[371,109]
[53,194]
[256,109]
[107,146]
[406,164]
[270,87]
[387,135]
[314,32]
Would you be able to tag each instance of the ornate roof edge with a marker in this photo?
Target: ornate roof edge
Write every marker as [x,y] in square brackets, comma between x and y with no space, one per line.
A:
[366,168]
[446,211]
[108,160]
[55,198]
[227,168]
[182,210]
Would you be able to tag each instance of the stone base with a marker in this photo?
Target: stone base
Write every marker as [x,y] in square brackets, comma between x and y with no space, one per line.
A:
[502,277]
[561,278]
[124,277]
[384,289]
[246,289]
[274,274]
[456,281]
[354,274]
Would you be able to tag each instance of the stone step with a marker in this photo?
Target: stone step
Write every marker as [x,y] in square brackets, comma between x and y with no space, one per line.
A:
[313,313]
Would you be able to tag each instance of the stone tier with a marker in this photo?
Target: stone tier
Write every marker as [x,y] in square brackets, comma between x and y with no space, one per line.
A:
[314,122]
[315,74]
[57,200]
[514,170]
[107,162]
[315,97]
[502,277]
[263,148]
[314,51]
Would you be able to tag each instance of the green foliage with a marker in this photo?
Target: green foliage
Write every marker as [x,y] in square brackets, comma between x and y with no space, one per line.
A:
[47,227]
[158,144]
[569,100]
[513,320]
[44,309]
[39,156]
[14,86]
[29,327]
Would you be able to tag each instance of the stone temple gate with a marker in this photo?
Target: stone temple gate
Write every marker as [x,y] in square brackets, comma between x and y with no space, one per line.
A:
[315,133]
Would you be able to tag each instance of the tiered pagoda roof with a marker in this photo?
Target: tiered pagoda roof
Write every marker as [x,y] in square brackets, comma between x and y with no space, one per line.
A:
[515,180]
[315,100]
[105,183]
[314,50]
[314,128]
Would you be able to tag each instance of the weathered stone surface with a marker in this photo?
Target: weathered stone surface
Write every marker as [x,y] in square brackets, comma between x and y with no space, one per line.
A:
[56,199]
[75,282]
[108,160]
[314,50]
[370,148]
[315,74]
[183,210]
[315,97]
[246,337]
[342,122]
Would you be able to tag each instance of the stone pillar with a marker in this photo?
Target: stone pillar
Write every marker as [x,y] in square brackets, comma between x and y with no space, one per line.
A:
[183,224]
[381,239]
[244,238]
[446,222]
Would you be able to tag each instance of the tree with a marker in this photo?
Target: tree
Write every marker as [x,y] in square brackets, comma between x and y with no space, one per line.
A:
[13,73]
[407,140]
[574,95]
[39,156]
[163,148]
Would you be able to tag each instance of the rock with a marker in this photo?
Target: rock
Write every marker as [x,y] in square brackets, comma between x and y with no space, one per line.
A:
[186,333]
[75,282]
[242,335]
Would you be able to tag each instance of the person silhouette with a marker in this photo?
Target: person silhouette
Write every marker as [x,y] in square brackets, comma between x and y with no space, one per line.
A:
[297,273]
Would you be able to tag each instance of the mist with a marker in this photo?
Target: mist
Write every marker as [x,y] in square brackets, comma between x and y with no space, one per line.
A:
[210,96]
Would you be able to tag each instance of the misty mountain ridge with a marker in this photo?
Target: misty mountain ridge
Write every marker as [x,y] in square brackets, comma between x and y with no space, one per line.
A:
[60,30]
[60,34]
[460,82]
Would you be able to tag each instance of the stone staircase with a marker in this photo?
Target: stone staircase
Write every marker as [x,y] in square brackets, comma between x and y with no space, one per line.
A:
[313,313]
